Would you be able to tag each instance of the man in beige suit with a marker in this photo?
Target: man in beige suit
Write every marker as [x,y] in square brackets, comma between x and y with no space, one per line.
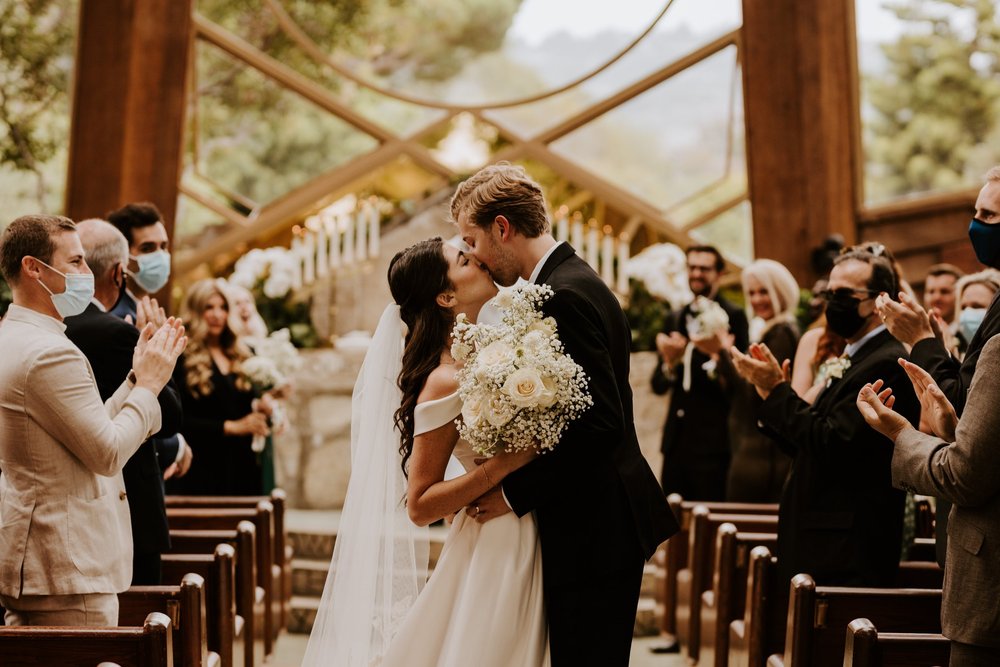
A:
[959,463]
[65,542]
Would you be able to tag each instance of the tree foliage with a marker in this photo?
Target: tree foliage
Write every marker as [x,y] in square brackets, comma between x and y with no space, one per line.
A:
[937,105]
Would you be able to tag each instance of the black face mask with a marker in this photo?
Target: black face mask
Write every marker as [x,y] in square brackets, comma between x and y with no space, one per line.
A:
[842,316]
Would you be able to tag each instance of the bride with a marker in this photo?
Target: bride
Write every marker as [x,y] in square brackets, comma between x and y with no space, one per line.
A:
[483,604]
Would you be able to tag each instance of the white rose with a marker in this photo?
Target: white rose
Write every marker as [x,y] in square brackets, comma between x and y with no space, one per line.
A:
[546,327]
[535,341]
[497,412]
[504,299]
[525,387]
[497,352]
[460,351]
[277,286]
[472,410]
[548,395]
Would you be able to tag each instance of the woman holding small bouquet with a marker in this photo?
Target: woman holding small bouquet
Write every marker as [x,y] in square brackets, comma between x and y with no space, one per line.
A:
[221,415]
[483,605]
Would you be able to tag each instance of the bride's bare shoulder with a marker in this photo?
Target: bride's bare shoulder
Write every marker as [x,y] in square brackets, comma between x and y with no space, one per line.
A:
[440,383]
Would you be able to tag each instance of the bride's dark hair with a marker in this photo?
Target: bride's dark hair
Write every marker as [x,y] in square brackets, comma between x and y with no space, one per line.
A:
[416,276]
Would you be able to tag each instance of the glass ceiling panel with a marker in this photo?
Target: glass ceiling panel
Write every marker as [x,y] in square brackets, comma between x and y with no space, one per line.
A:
[731,233]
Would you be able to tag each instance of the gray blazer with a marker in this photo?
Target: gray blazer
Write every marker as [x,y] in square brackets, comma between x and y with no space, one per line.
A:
[966,473]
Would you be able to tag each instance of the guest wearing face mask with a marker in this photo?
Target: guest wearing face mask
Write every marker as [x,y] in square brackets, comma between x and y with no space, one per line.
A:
[973,294]
[65,542]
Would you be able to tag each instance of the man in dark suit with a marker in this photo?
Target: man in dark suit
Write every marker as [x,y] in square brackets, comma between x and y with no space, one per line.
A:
[599,510]
[108,343]
[911,324]
[840,519]
[695,444]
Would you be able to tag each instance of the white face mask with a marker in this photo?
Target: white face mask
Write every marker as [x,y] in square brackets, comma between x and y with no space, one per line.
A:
[78,293]
[154,271]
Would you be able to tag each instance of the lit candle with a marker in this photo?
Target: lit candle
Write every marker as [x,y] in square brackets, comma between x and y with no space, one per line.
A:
[621,285]
[562,224]
[335,243]
[296,253]
[607,257]
[592,244]
[322,264]
[374,229]
[349,240]
[361,238]
[309,247]
[577,233]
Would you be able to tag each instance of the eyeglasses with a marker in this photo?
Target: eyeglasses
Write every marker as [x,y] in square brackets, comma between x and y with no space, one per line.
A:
[842,293]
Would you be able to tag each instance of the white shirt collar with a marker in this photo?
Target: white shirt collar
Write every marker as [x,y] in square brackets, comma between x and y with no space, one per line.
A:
[852,348]
[100,306]
[541,262]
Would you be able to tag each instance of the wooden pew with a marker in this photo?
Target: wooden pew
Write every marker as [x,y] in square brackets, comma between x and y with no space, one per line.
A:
[225,518]
[235,604]
[923,549]
[150,645]
[677,550]
[817,616]
[725,602]
[184,605]
[283,552]
[697,577]
[867,647]
[760,632]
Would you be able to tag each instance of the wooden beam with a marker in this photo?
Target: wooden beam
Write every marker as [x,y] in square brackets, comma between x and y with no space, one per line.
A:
[637,88]
[129,95]
[800,91]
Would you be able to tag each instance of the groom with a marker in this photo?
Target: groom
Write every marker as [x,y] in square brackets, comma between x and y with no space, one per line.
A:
[599,510]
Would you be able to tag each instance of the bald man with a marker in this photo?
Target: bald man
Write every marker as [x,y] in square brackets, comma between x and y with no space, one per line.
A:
[107,342]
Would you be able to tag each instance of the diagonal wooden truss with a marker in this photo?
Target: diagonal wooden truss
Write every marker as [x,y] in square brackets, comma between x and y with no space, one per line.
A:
[274,216]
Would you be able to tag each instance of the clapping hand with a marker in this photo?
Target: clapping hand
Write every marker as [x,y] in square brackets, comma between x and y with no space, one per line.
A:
[671,347]
[906,320]
[760,368]
[714,344]
[156,354]
[935,407]
[148,311]
[875,402]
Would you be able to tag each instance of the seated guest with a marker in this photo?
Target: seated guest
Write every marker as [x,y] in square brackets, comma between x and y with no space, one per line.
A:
[758,470]
[65,543]
[960,463]
[974,294]
[840,520]
[108,342]
[221,415]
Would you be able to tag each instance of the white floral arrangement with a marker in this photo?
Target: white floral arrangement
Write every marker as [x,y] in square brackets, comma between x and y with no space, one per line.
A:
[275,266]
[706,318]
[832,369]
[519,388]
[276,359]
[662,268]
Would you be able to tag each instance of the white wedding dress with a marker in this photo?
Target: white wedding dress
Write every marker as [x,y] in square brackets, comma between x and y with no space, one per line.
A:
[483,604]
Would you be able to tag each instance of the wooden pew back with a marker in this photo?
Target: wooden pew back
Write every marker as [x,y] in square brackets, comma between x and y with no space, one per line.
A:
[184,605]
[150,645]
[697,577]
[760,632]
[867,647]
[677,547]
[818,615]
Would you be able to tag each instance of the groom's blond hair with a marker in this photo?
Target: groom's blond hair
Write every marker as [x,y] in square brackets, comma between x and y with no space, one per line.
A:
[502,189]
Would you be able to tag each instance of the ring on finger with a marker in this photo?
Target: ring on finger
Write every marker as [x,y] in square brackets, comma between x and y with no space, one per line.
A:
[478,511]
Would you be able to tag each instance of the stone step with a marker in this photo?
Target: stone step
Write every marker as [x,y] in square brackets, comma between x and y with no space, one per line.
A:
[304,608]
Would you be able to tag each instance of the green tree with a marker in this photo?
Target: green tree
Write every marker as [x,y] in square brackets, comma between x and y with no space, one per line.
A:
[36,42]
[938,101]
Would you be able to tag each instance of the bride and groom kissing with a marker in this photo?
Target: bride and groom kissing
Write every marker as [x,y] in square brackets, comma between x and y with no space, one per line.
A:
[543,562]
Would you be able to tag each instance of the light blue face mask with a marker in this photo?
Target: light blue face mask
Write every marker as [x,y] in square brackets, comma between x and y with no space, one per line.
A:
[154,271]
[78,293]
[969,322]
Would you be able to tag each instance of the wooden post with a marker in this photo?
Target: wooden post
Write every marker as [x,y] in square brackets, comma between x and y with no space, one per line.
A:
[800,91]
[128,113]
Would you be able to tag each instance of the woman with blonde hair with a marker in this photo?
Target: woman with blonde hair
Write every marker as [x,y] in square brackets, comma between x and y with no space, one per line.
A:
[220,413]
[758,469]
[973,295]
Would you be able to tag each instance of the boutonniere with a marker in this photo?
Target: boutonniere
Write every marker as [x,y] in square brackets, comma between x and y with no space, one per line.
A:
[833,369]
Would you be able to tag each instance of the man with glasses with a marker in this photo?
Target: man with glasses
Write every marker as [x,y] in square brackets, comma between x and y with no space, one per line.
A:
[840,520]
[696,436]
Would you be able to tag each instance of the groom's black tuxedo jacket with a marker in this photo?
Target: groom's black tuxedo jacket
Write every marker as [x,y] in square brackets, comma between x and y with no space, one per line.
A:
[108,342]
[840,520]
[596,501]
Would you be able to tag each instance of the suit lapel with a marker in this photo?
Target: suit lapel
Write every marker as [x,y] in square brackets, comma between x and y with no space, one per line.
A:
[856,362]
[558,256]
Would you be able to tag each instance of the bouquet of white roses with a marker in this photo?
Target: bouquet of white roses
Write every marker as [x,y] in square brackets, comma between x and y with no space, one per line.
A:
[705,319]
[275,360]
[519,389]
